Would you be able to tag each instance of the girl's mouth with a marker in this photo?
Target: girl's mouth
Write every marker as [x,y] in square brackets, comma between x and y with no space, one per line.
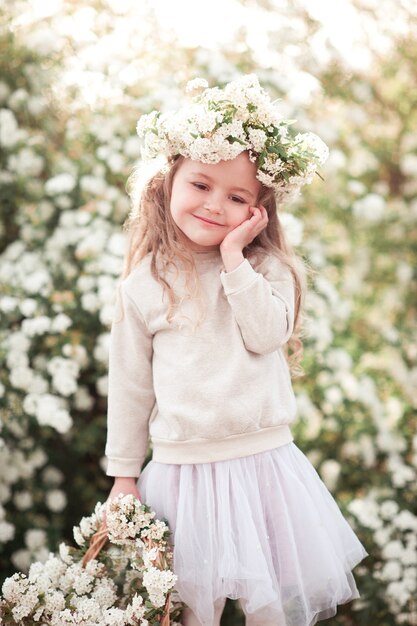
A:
[202,219]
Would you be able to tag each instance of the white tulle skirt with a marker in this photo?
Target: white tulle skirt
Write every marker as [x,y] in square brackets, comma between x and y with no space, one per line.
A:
[262,528]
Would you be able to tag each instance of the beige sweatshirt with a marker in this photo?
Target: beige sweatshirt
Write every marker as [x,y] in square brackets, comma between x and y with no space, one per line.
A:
[220,393]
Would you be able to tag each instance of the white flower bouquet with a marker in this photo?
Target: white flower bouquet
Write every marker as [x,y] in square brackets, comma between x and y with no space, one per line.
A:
[119,575]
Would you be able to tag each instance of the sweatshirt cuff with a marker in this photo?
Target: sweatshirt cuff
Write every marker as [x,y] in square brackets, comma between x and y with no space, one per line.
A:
[238,279]
[124,467]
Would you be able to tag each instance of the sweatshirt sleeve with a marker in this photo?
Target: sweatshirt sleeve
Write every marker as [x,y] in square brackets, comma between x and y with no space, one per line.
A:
[262,304]
[131,395]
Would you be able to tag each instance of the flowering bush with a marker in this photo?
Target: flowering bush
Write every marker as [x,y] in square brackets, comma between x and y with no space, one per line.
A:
[393,579]
[61,253]
[118,576]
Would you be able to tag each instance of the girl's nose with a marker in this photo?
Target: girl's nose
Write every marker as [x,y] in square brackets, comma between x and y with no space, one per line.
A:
[213,204]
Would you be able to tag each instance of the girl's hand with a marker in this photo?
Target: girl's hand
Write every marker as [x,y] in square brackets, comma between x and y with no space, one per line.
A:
[124,486]
[246,232]
[232,245]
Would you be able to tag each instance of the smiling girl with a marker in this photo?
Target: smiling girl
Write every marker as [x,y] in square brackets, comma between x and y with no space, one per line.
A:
[250,517]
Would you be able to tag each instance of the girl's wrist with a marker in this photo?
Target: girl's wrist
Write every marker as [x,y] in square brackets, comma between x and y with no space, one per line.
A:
[231,259]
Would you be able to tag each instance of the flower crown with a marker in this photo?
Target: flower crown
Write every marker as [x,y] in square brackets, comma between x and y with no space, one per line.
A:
[219,124]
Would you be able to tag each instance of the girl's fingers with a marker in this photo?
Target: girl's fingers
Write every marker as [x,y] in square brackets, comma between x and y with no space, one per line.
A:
[256,212]
[263,211]
[260,213]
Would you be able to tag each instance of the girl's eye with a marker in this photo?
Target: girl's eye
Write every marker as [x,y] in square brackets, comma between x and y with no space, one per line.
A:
[203,187]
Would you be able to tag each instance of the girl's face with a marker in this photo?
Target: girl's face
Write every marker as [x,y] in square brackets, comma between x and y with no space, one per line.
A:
[208,200]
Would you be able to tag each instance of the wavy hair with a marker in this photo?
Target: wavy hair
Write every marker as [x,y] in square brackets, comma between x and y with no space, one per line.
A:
[151,229]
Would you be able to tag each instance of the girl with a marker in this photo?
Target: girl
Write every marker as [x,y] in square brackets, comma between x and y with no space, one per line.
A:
[210,297]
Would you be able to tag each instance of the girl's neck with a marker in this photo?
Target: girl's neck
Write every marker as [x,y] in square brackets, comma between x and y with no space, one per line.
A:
[205,255]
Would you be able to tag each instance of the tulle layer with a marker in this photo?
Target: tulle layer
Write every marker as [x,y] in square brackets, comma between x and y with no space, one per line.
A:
[262,528]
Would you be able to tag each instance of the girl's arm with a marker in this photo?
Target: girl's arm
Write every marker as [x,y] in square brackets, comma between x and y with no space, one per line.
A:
[262,303]
[131,395]
[124,485]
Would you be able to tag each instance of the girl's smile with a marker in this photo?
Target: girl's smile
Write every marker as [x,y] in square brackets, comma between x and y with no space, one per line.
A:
[208,222]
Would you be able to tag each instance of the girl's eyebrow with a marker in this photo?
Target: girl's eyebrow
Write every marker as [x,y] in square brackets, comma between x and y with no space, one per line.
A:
[235,188]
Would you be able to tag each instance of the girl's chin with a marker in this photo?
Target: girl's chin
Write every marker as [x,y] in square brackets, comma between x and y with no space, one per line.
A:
[197,245]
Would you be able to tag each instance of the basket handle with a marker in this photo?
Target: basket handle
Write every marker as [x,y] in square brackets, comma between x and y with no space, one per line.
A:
[97,541]
[165,621]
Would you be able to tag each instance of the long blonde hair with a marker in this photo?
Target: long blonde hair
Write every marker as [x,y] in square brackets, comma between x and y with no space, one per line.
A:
[151,229]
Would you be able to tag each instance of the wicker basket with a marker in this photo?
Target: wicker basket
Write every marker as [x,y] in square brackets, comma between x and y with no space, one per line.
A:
[97,543]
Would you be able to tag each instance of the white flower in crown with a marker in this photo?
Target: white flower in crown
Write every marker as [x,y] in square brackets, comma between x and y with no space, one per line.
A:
[219,124]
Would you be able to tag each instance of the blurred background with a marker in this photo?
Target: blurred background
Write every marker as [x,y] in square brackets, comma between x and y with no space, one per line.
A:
[75,77]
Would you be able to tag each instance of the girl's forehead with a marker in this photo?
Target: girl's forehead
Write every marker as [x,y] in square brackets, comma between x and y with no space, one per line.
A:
[239,168]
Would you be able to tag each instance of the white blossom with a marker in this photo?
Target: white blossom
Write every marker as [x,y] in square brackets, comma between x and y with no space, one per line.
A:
[398,593]
[392,570]
[388,509]
[56,500]
[64,553]
[26,163]
[392,550]
[61,183]
[52,475]
[330,470]
[9,130]
[405,520]
[7,531]
[158,582]
[64,374]
[48,410]
[35,538]
[409,164]
[370,208]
